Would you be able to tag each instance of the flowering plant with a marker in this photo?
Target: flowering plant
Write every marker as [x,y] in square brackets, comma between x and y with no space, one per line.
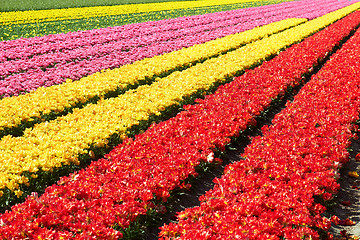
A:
[58,143]
[271,192]
[115,190]
[37,106]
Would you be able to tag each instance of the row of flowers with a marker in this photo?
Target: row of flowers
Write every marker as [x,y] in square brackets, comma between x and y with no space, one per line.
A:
[56,143]
[272,191]
[114,191]
[11,32]
[322,11]
[95,46]
[24,48]
[30,30]
[18,17]
[77,63]
[51,144]
[18,110]
[92,38]
[99,46]
[24,75]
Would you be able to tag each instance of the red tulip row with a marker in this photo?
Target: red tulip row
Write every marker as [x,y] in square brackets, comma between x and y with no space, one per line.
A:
[271,192]
[116,190]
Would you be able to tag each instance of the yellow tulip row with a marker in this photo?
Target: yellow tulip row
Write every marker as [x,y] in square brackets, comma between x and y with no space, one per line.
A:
[23,108]
[21,17]
[50,144]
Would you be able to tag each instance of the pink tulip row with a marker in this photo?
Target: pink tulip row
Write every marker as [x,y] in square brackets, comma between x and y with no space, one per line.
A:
[270,193]
[22,48]
[33,79]
[117,189]
[25,48]
[35,46]
[110,56]
[331,7]
[111,36]
[99,48]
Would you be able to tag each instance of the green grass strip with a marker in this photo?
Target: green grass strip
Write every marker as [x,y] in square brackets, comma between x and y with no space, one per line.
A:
[15,31]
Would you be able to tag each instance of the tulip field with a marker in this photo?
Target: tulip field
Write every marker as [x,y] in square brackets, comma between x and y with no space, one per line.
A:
[109,113]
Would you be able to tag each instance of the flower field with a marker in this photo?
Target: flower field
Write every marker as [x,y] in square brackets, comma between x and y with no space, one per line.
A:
[100,129]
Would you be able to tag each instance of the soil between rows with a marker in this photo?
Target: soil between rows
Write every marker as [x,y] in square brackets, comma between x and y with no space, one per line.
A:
[347,204]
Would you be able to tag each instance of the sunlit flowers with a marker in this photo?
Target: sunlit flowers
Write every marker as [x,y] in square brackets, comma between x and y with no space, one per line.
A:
[117,189]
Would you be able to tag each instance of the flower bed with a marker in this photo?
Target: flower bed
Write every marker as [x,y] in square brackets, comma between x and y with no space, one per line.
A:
[25,75]
[17,17]
[28,67]
[29,30]
[22,48]
[32,108]
[57,143]
[39,104]
[276,189]
[117,189]
[50,144]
